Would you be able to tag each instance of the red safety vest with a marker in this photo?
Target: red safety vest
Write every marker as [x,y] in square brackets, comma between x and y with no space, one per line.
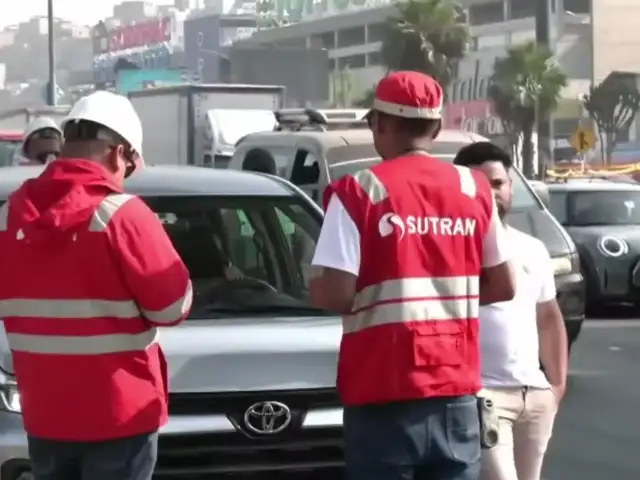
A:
[88,277]
[413,331]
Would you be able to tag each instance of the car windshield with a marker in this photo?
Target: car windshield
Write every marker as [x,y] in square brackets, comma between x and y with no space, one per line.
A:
[523,198]
[246,255]
[8,150]
[605,208]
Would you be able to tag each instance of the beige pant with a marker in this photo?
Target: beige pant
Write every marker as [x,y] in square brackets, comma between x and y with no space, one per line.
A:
[526,423]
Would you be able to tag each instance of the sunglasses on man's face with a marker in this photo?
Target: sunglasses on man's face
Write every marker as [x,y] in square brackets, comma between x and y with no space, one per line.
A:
[129,158]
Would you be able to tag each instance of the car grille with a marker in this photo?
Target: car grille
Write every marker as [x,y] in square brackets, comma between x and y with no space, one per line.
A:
[229,403]
[308,453]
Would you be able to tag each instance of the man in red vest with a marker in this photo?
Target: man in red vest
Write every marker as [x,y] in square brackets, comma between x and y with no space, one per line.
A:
[408,251]
[87,277]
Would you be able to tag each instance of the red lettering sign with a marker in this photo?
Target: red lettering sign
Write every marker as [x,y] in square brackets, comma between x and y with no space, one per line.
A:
[140,35]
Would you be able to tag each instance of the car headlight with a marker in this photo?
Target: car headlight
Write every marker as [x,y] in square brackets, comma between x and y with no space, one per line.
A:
[9,396]
[565,264]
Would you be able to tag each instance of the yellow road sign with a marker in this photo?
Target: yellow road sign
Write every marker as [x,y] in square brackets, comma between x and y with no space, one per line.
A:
[582,139]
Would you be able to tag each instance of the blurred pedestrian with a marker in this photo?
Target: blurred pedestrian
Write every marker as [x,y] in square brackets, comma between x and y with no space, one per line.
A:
[516,336]
[407,251]
[88,274]
[42,142]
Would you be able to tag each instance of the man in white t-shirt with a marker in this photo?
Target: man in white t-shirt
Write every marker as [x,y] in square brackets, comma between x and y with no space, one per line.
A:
[515,337]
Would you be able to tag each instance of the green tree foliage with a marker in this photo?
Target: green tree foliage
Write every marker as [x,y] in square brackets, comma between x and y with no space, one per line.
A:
[527,82]
[367,99]
[427,36]
[612,105]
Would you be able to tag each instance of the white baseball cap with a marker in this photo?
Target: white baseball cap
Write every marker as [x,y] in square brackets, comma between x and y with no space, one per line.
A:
[37,124]
[112,111]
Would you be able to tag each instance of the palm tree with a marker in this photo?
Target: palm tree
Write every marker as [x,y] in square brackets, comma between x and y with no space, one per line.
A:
[526,83]
[429,36]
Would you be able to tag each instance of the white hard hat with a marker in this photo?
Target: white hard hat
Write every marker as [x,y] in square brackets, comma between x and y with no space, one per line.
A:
[37,124]
[112,111]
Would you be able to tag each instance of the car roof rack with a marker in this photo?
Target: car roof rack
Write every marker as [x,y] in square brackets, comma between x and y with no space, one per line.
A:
[300,119]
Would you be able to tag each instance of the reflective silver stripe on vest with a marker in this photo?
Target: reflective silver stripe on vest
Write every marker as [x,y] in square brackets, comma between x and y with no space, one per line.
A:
[414,300]
[4,217]
[82,345]
[417,288]
[371,185]
[70,309]
[87,309]
[467,182]
[411,311]
[173,312]
[106,210]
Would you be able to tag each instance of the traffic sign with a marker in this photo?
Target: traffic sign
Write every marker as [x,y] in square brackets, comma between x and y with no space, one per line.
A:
[582,139]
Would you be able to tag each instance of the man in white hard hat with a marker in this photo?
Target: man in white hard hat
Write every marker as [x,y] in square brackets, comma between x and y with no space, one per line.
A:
[88,275]
[42,141]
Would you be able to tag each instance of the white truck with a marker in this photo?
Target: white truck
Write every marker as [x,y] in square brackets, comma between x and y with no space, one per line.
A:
[200,124]
[19,118]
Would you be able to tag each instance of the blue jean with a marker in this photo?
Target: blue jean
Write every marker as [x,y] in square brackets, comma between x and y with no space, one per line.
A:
[131,458]
[428,439]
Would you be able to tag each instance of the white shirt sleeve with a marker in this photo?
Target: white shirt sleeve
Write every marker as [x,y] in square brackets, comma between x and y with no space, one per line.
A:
[338,245]
[494,245]
[547,277]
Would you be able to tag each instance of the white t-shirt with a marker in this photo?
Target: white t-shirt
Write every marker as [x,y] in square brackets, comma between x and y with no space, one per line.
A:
[338,245]
[509,350]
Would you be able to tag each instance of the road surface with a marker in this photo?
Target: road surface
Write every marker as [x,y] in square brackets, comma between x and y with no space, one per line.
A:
[597,434]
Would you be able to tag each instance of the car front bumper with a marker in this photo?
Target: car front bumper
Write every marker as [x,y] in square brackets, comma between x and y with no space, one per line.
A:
[199,446]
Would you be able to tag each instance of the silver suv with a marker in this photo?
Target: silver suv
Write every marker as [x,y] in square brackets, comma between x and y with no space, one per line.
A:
[252,371]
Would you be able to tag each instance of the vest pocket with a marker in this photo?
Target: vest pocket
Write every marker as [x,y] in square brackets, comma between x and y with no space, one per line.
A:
[439,344]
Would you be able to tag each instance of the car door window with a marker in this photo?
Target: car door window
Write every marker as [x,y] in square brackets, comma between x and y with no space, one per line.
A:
[301,243]
[558,206]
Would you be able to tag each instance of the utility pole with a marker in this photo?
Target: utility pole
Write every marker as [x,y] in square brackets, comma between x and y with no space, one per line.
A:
[51,86]
[544,126]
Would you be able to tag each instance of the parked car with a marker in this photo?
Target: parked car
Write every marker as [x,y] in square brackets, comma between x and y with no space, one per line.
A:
[603,218]
[10,142]
[313,148]
[252,370]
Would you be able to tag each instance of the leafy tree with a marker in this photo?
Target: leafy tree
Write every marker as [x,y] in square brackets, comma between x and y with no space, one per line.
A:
[524,84]
[612,105]
[428,36]
[367,99]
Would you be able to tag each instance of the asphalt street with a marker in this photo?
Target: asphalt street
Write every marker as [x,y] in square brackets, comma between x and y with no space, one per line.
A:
[597,433]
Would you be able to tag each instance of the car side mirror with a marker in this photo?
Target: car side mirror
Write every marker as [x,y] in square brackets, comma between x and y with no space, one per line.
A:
[542,191]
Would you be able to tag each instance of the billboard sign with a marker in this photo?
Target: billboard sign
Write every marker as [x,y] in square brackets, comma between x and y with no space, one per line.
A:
[202,36]
[132,80]
[151,32]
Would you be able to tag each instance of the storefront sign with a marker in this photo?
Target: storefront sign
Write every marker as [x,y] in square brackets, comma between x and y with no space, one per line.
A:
[142,34]
[476,117]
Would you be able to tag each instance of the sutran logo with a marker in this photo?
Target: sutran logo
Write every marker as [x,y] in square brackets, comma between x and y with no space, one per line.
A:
[388,223]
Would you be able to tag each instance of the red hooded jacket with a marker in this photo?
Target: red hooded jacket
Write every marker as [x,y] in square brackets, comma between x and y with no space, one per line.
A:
[88,274]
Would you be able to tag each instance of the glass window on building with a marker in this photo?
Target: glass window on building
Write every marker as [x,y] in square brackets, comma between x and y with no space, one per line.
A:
[376,32]
[352,61]
[374,58]
[521,9]
[486,13]
[324,40]
[351,37]
[577,6]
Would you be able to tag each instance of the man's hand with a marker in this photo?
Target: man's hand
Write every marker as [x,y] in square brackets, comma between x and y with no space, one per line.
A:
[558,392]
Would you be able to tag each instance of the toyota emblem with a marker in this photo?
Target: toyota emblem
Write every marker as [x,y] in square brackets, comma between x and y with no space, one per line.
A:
[267,418]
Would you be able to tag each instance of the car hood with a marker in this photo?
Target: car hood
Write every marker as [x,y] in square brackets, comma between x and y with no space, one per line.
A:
[245,354]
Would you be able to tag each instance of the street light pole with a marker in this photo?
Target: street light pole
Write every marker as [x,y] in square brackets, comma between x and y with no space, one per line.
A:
[51,86]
